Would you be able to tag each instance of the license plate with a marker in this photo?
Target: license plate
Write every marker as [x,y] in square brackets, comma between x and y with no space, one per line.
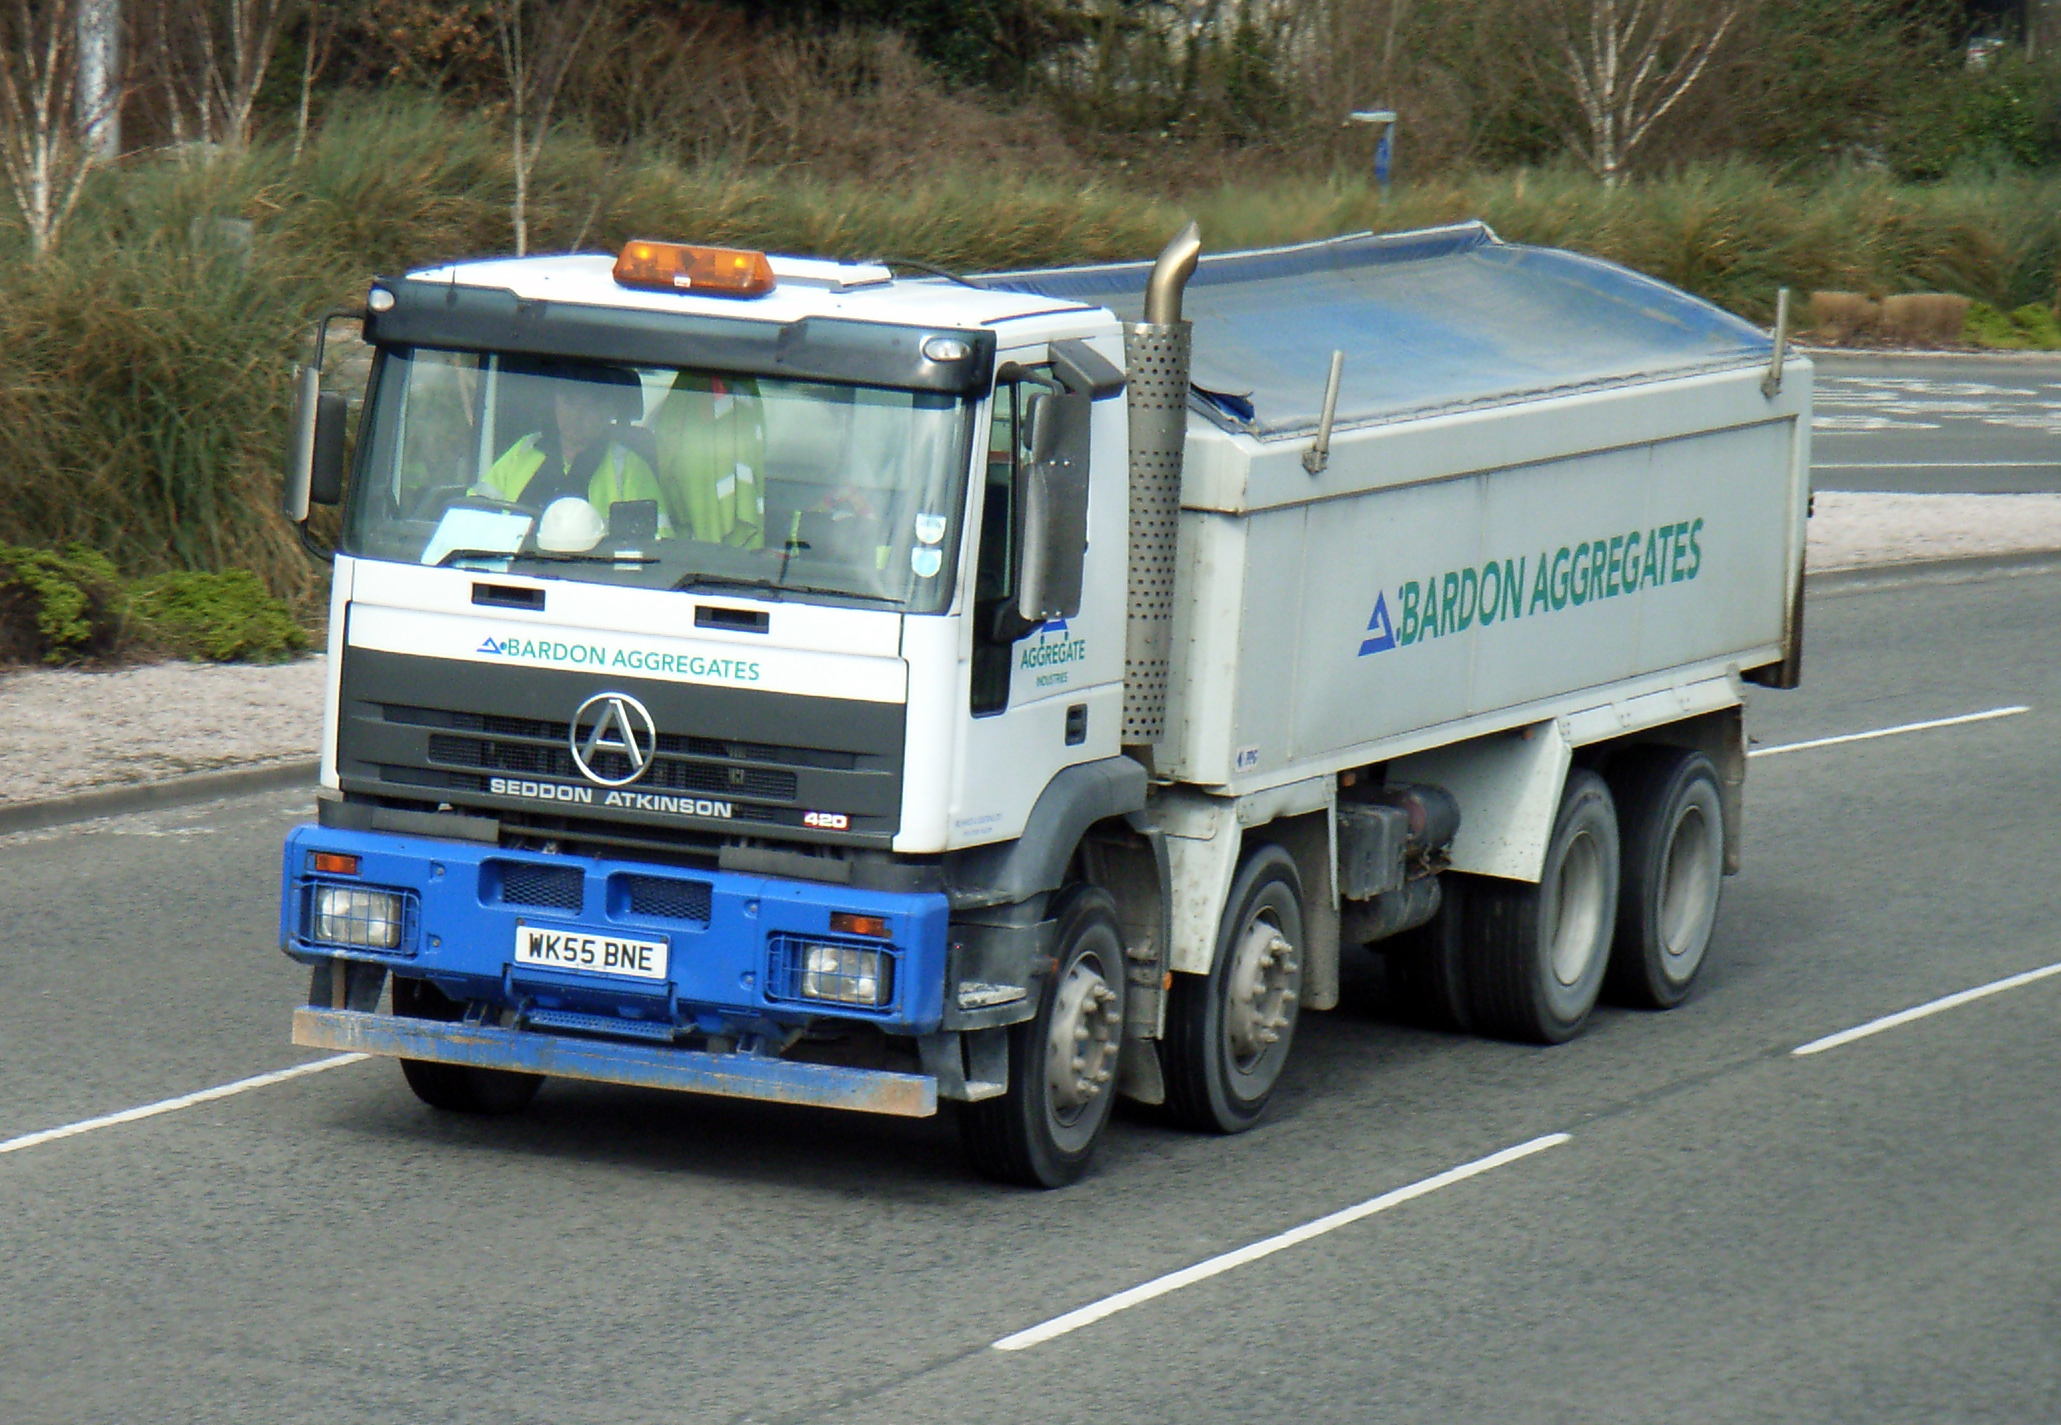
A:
[588,953]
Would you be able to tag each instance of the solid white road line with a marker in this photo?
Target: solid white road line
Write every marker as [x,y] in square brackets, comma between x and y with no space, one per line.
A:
[1896,731]
[1202,1271]
[1930,1007]
[171,1105]
[1928,464]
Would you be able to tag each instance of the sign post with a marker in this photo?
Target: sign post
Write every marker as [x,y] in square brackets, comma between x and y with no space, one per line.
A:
[1384,151]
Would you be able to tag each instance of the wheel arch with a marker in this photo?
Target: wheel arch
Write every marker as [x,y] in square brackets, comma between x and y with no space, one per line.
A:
[1038,861]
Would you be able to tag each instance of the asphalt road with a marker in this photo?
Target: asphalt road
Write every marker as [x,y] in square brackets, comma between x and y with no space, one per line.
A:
[1730,1233]
[1958,424]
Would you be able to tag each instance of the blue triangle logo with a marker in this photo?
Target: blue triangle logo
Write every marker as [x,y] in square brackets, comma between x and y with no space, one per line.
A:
[1053,625]
[1380,633]
[488,646]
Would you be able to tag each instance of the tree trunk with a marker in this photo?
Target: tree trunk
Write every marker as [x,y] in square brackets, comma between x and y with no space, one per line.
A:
[300,118]
[99,63]
[521,212]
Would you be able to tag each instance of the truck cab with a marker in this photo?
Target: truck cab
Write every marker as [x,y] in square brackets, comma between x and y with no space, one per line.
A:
[680,637]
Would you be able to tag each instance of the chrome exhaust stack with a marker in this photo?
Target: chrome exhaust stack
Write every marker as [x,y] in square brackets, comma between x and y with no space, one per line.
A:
[1156,357]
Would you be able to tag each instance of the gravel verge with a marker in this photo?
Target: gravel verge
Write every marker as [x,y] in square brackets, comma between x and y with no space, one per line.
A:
[1860,531]
[71,731]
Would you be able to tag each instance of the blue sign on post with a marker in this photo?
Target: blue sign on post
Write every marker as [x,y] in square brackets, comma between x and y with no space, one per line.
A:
[1384,151]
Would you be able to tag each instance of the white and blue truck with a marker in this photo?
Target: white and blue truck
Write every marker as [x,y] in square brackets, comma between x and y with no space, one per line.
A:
[784,679]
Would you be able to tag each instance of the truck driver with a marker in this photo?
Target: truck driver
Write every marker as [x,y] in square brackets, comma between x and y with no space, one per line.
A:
[589,445]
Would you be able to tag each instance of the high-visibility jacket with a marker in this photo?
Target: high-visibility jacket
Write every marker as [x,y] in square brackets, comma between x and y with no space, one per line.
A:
[512,472]
[711,434]
[621,474]
[625,475]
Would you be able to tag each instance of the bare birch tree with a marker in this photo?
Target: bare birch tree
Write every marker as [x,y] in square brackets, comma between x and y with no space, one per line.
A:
[1628,63]
[539,40]
[47,145]
[216,54]
[99,64]
[324,20]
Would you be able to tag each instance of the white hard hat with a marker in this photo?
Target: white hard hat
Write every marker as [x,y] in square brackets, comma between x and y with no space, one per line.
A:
[570,526]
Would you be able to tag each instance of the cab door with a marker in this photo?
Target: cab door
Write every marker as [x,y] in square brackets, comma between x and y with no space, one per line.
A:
[1039,697]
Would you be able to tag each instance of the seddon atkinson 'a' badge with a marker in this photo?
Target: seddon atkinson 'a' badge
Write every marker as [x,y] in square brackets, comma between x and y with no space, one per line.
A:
[621,724]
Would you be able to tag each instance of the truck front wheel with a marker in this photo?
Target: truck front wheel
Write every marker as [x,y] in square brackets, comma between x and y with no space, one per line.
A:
[1674,868]
[457,1088]
[1062,1061]
[1228,1032]
[1536,953]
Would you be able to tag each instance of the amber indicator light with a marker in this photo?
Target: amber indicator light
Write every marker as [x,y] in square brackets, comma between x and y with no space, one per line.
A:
[845,922]
[713,271]
[334,863]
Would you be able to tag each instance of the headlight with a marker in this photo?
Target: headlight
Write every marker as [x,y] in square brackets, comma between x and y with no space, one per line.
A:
[845,974]
[351,915]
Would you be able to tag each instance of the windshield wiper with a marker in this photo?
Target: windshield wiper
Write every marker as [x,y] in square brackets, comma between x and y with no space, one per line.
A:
[737,581]
[546,557]
[725,581]
[843,594]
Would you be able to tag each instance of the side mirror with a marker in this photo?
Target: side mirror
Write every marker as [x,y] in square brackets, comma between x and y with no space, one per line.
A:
[1054,490]
[315,439]
[326,467]
[300,442]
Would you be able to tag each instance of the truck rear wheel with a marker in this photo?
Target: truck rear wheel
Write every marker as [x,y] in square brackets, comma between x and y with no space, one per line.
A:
[1228,1032]
[1674,869]
[1062,1061]
[1537,953]
[457,1088]
[1427,966]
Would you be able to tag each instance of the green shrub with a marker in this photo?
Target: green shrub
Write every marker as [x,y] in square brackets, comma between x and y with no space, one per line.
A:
[58,607]
[2039,326]
[228,617]
[2028,328]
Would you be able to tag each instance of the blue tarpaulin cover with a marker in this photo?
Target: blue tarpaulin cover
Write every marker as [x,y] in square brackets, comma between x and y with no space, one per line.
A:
[1440,320]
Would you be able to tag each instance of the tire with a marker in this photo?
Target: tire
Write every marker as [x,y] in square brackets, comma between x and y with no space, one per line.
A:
[1042,1130]
[1536,954]
[1427,966]
[457,1088]
[1228,1033]
[1672,873]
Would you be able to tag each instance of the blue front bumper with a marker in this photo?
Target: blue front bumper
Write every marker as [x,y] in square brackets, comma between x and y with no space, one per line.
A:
[737,944]
[647,1065]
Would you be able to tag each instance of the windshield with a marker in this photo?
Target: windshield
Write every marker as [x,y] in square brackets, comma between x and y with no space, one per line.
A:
[660,477]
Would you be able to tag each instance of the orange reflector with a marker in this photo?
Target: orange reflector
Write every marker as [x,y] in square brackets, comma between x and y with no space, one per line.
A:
[674,267]
[849,924]
[334,863]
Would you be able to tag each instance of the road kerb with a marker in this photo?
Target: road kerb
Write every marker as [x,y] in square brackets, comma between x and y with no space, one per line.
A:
[1961,569]
[152,796]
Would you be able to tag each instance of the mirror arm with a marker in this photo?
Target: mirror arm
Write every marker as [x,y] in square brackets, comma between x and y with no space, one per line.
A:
[356,313]
[1039,375]
[312,549]
[1085,371]
[1009,625]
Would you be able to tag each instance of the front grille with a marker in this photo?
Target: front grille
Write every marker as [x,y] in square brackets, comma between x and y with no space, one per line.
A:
[526,883]
[666,774]
[772,765]
[663,898]
[559,734]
